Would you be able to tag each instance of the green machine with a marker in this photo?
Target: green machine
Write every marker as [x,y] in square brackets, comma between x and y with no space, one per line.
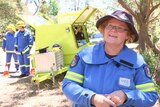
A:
[56,43]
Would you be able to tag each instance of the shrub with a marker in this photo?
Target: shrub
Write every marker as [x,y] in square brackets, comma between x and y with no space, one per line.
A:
[154,64]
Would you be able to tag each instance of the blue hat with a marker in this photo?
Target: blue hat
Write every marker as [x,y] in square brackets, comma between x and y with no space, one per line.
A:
[124,17]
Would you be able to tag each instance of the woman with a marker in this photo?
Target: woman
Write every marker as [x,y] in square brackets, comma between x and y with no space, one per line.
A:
[109,73]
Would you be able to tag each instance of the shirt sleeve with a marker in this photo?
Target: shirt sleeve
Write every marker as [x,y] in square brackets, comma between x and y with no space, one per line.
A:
[73,84]
[30,42]
[16,41]
[145,94]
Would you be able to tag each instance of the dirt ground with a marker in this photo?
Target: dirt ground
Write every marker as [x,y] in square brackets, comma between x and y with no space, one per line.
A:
[21,92]
[24,93]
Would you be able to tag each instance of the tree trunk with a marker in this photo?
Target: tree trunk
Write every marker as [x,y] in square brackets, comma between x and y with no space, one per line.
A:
[142,38]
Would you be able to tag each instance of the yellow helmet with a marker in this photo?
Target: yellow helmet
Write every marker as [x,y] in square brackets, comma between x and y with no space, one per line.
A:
[20,23]
[11,26]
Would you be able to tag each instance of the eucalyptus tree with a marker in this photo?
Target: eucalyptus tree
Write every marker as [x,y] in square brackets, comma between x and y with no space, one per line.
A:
[49,7]
[144,12]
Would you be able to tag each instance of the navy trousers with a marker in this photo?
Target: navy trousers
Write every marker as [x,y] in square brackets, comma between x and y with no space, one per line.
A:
[8,60]
[24,62]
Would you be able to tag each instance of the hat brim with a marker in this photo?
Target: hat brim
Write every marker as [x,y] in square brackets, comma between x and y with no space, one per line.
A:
[131,27]
[21,25]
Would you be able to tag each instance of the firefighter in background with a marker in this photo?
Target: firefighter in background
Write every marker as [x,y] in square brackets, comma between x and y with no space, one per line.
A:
[80,35]
[23,45]
[8,46]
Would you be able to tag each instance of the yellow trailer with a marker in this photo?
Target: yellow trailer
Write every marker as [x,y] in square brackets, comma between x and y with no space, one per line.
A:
[50,35]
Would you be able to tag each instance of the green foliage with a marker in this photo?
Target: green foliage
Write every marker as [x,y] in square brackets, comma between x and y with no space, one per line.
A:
[152,61]
[53,7]
[157,88]
[151,58]
[8,15]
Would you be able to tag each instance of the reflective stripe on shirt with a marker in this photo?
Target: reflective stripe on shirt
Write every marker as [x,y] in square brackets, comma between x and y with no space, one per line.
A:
[74,77]
[147,87]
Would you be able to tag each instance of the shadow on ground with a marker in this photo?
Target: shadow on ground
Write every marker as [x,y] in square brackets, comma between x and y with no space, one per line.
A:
[24,89]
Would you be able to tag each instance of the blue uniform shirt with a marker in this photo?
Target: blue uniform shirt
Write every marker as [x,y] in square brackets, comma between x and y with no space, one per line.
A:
[92,72]
[24,41]
[8,42]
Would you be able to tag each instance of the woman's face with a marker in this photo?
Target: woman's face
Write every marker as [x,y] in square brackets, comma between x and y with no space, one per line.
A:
[10,30]
[116,32]
[21,28]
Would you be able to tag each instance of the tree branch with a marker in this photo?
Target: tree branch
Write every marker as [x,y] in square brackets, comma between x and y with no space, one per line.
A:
[148,8]
[150,21]
[137,4]
[123,4]
[152,9]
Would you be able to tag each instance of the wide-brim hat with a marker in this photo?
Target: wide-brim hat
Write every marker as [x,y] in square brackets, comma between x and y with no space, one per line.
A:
[124,17]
